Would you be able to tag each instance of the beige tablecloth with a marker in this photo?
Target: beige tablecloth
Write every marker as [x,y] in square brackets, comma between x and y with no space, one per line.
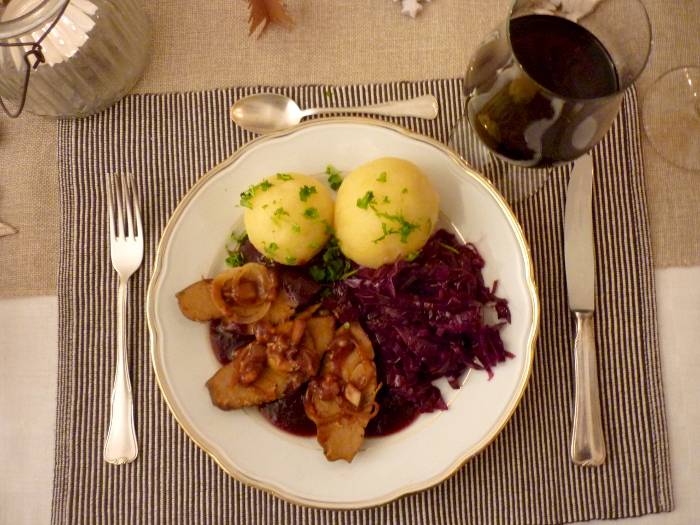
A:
[199,45]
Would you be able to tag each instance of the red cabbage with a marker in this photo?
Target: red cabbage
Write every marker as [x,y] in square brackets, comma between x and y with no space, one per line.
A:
[426,319]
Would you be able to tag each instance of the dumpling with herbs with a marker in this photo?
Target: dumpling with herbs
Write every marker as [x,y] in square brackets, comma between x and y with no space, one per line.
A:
[288,217]
[385,210]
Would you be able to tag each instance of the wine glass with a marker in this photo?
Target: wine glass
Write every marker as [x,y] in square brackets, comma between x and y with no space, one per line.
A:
[545,86]
[671,116]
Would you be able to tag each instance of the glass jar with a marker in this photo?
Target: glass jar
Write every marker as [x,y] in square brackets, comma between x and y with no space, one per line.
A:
[94,54]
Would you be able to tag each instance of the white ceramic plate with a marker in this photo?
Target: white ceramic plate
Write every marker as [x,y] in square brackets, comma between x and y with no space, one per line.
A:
[246,445]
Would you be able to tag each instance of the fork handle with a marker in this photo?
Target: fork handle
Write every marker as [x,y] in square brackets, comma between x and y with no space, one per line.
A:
[121,446]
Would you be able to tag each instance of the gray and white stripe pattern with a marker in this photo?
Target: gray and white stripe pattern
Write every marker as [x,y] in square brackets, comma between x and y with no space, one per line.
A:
[525,476]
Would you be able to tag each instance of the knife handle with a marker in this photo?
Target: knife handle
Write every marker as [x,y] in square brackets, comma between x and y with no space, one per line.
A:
[587,440]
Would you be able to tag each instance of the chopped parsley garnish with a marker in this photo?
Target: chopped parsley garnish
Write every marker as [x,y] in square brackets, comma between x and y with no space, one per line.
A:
[235,259]
[334,266]
[386,232]
[240,238]
[247,195]
[306,191]
[405,190]
[365,201]
[313,245]
[296,228]
[271,248]
[382,177]
[311,213]
[334,178]
[317,273]
[284,176]
[290,260]
[412,256]
[404,228]
[280,212]
[327,228]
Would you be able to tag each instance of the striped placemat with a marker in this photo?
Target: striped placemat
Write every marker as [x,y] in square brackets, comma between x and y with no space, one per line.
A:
[525,476]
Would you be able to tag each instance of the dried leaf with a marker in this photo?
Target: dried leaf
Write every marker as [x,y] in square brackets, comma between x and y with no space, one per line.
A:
[267,12]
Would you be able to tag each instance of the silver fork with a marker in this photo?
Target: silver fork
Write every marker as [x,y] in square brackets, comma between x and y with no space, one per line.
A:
[126,247]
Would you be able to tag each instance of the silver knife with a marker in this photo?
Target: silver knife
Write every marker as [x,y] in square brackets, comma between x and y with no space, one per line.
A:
[587,440]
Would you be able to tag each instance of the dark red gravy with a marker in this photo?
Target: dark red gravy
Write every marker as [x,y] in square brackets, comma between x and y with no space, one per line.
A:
[288,413]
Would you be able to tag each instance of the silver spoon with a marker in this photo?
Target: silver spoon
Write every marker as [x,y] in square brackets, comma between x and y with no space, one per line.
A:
[269,112]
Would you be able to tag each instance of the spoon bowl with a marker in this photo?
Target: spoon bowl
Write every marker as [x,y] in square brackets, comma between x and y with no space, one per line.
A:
[266,112]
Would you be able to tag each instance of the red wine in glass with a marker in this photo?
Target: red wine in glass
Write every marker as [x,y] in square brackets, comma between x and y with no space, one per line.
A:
[543,89]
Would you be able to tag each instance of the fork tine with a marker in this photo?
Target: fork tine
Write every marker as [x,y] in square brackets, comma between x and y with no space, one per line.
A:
[110,206]
[119,198]
[126,192]
[135,201]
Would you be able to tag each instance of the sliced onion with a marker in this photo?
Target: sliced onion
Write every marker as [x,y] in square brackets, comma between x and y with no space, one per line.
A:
[364,345]
[323,409]
[245,294]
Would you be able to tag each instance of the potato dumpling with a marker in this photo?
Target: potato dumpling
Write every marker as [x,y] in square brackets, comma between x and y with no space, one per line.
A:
[288,217]
[385,209]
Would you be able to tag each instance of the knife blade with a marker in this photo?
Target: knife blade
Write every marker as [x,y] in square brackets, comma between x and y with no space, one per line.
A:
[579,252]
[587,440]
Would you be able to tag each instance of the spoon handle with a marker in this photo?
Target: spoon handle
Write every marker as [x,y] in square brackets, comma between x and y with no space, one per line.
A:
[425,107]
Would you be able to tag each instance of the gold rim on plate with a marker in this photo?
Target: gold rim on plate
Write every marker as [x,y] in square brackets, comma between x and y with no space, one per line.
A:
[404,491]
